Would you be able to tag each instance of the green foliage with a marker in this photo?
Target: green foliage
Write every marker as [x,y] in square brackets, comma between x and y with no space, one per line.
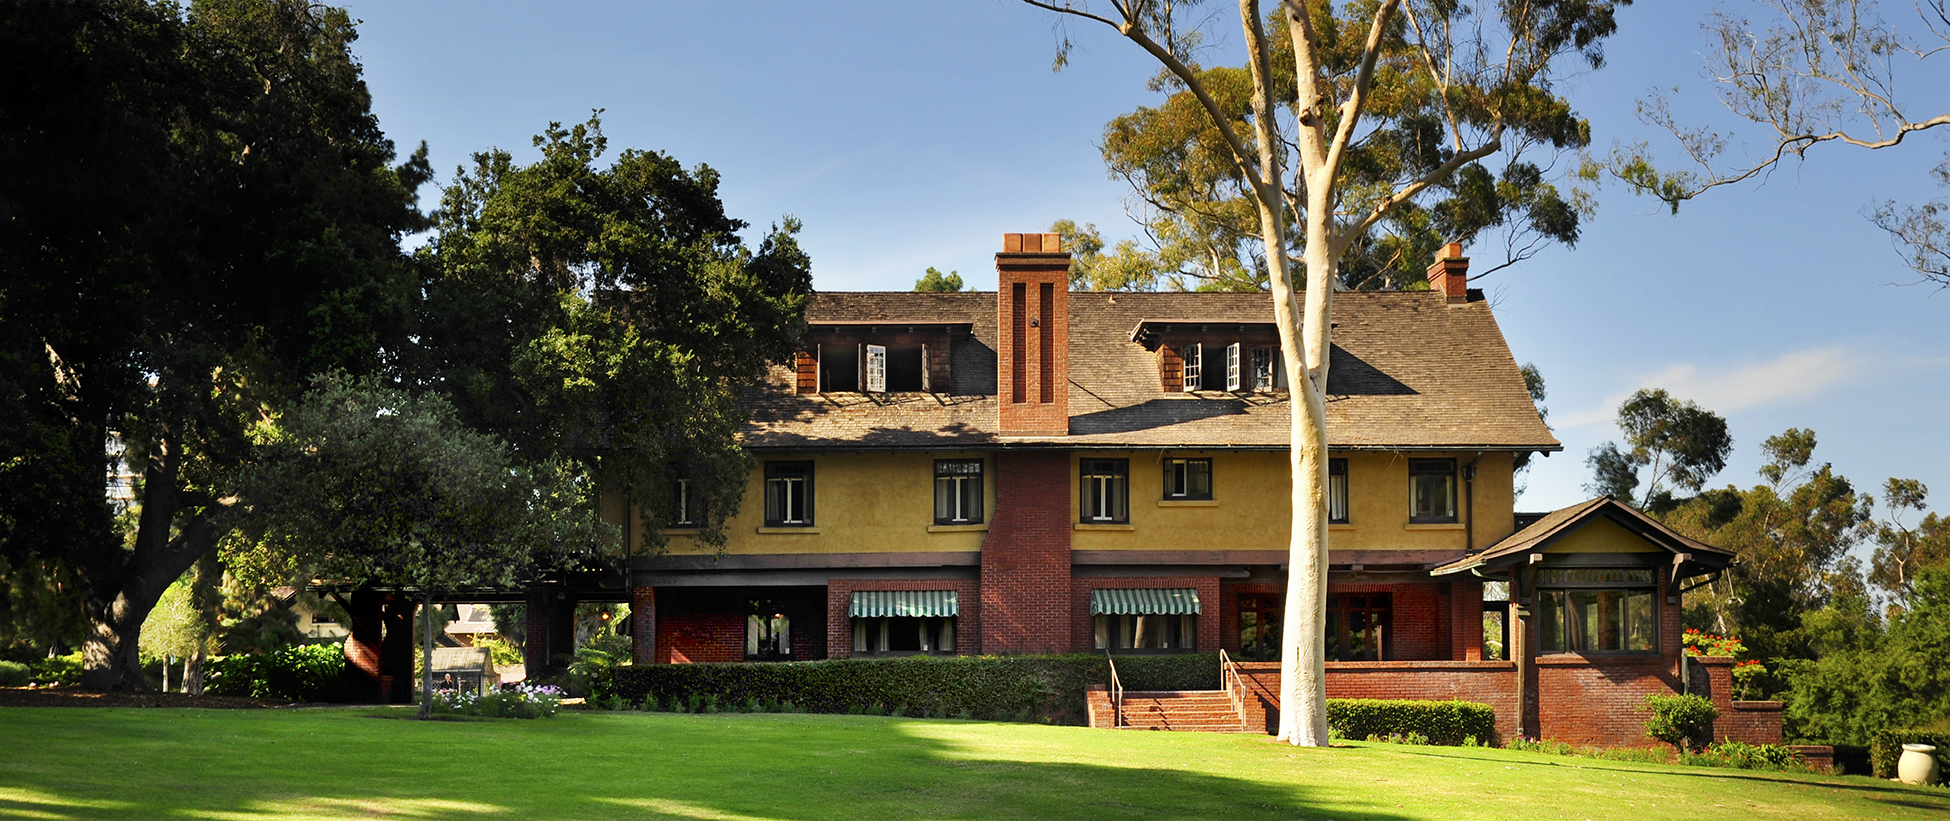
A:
[1902,552]
[175,629]
[1680,720]
[1743,756]
[1676,442]
[1437,722]
[1020,688]
[301,674]
[502,652]
[63,671]
[14,674]
[518,701]
[1886,747]
[938,283]
[1707,644]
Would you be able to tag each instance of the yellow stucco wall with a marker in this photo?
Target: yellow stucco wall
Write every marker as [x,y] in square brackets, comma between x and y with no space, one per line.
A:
[1602,536]
[862,503]
[1249,505]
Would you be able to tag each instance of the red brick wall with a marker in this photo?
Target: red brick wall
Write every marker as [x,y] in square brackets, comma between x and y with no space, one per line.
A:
[643,625]
[1598,701]
[1033,361]
[1484,682]
[839,596]
[1082,633]
[1754,722]
[1419,619]
[1229,593]
[695,638]
[1026,557]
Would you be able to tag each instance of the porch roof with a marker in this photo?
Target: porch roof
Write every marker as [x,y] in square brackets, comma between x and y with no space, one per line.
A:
[1690,557]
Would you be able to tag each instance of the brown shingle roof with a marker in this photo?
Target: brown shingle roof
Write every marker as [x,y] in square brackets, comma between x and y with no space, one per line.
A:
[1408,371]
[1559,523]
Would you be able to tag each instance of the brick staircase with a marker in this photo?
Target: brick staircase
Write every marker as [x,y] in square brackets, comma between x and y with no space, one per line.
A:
[1197,711]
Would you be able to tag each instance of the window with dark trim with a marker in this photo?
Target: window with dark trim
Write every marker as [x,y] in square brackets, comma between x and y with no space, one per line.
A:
[1431,491]
[1145,632]
[686,506]
[788,494]
[901,635]
[1597,610]
[957,491]
[1262,363]
[1358,626]
[1259,626]
[1106,491]
[768,632]
[1188,479]
[1337,491]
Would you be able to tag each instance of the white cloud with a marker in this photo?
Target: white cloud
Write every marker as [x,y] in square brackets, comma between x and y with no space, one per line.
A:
[1788,377]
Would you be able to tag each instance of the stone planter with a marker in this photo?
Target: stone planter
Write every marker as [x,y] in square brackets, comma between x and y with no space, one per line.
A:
[1918,764]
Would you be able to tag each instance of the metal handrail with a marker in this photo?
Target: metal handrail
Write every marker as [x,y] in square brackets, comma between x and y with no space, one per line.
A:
[1116,693]
[1234,686]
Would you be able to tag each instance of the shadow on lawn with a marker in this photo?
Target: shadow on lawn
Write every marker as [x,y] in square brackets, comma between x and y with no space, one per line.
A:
[740,768]
[1856,783]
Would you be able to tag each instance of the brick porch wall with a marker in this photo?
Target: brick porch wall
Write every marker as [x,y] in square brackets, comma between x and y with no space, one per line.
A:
[1419,618]
[1083,637]
[1599,701]
[1754,722]
[695,638]
[839,597]
[1485,682]
[643,625]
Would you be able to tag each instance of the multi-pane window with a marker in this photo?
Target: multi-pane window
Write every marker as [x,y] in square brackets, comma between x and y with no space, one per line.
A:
[686,508]
[1597,610]
[1337,491]
[1431,490]
[1262,363]
[1194,355]
[788,494]
[1188,478]
[1357,626]
[957,491]
[1259,627]
[875,370]
[1106,491]
[768,631]
[1235,373]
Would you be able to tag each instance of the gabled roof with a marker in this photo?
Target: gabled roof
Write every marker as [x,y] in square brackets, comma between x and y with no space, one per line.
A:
[1690,556]
[1408,372]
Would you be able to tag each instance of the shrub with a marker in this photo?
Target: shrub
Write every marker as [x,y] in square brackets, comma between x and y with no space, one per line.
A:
[1436,722]
[306,673]
[513,701]
[62,670]
[1744,756]
[1887,746]
[14,674]
[1680,720]
[1018,688]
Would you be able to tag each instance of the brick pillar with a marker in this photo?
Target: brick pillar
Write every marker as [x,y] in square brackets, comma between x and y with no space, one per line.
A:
[1026,556]
[643,625]
[396,650]
[359,682]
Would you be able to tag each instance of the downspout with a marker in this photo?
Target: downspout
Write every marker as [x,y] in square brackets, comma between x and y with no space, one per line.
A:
[1469,503]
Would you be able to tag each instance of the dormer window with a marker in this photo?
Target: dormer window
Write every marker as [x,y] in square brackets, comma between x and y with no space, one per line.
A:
[877,358]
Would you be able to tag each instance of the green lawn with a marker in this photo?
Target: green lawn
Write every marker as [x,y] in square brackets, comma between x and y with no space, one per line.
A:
[92,763]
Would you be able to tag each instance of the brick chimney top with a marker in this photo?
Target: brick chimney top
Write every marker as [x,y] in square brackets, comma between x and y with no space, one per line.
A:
[1032,243]
[1449,275]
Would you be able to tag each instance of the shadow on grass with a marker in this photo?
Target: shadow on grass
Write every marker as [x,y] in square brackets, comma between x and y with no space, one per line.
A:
[725,768]
[1857,783]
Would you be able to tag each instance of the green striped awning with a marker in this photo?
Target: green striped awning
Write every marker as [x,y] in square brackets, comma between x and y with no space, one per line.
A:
[1148,601]
[922,603]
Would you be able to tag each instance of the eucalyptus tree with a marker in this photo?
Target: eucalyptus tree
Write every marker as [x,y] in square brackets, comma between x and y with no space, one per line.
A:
[1673,443]
[1436,88]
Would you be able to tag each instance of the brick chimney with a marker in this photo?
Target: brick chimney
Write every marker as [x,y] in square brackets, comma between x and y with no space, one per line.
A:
[1032,304]
[1449,275]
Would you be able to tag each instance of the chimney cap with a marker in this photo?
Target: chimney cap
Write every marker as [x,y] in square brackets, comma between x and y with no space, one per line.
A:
[1032,243]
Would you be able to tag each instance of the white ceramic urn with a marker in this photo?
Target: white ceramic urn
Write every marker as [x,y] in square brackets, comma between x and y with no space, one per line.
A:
[1918,764]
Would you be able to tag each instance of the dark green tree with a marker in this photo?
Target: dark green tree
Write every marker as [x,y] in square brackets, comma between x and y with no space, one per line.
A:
[368,486]
[1671,442]
[208,211]
[607,315]
[938,283]
[1902,552]
[1867,679]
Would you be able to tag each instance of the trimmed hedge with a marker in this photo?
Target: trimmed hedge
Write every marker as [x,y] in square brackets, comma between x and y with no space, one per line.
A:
[1441,722]
[1020,688]
[307,673]
[14,674]
[1887,746]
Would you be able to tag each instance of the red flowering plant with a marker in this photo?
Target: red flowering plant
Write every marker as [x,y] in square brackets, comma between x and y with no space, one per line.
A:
[1707,644]
[1744,675]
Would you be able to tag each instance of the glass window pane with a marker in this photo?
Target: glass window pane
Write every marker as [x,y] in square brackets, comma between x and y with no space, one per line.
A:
[1550,621]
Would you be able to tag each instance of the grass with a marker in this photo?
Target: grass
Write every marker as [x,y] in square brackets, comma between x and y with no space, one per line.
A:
[333,764]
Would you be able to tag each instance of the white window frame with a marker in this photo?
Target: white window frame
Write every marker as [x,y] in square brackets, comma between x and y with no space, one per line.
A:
[1193,371]
[875,363]
[1233,381]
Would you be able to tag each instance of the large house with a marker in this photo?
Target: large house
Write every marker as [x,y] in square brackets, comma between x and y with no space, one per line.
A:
[1037,470]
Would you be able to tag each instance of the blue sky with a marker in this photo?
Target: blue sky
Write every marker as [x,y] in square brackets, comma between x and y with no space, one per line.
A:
[913,135]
